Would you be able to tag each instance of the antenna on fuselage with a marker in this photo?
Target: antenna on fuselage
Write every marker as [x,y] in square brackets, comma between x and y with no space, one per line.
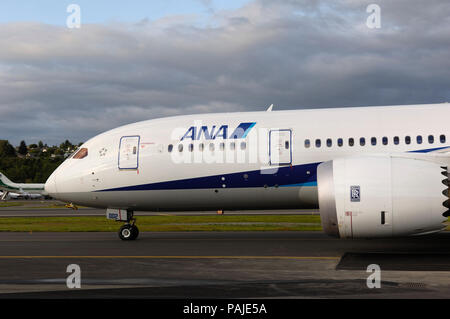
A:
[270,108]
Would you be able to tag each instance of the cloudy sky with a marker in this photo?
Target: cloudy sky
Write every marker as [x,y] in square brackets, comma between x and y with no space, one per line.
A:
[149,59]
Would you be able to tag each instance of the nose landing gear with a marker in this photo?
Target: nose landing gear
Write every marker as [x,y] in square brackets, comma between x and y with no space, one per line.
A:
[129,230]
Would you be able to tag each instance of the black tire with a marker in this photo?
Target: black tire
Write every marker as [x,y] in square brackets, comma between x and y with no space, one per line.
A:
[125,232]
[134,232]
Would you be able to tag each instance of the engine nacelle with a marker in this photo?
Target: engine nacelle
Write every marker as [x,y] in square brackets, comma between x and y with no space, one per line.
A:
[381,196]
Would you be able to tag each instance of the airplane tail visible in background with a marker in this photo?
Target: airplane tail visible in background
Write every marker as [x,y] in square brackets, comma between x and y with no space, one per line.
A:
[6,185]
[4,181]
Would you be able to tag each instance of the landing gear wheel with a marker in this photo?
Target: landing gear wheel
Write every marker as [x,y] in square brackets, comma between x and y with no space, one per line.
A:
[128,232]
[134,232]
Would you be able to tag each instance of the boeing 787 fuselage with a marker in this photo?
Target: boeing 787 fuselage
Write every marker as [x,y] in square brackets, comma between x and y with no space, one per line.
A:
[372,171]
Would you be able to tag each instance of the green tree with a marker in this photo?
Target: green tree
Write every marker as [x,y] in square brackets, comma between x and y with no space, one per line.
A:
[23,150]
[6,149]
[28,170]
[64,146]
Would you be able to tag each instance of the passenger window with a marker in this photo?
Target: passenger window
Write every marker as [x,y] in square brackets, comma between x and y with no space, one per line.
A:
[407,140]
[340,142]
[442,138]
[191,147]
[419,139]
[170,148]
[385,140]
[318,143]
[373,141]
[211,147]
[362,141]
[307,143]
[232,146]
[222,146]
[430,139]
[201,147]
[82,153]
[286,145]
[243,145]
[329,142]
[180,147]
[351,141]
[396,140]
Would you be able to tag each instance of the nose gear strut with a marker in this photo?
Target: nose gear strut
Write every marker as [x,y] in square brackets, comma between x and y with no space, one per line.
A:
[129,230]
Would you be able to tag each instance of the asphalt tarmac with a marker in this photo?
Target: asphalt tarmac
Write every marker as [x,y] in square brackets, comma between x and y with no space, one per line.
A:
[222,265]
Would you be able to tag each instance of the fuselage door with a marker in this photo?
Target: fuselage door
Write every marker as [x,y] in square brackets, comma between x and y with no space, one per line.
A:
[129,152]
[280,147]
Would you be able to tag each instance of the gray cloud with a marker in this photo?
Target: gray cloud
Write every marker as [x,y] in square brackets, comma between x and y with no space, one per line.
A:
[57,83]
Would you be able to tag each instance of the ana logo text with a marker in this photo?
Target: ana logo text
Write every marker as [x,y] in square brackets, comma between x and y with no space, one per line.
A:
[197,133]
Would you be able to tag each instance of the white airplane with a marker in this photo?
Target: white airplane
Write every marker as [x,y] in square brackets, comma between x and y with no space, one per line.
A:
[10,195]
[20,190]
[373,171]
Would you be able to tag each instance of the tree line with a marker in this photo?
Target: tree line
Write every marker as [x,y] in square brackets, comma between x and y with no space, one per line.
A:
[32,163]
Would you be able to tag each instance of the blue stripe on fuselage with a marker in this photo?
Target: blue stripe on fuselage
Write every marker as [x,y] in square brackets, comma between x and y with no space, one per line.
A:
[429,150]
[301,184]
[284,176]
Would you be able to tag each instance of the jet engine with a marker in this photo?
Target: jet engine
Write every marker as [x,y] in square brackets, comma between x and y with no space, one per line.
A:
[382,196]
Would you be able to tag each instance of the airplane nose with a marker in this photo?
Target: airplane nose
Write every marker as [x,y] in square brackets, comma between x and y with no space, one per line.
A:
[50,185]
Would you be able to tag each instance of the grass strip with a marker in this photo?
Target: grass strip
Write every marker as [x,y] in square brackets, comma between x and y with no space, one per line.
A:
[167,223]
[164,223]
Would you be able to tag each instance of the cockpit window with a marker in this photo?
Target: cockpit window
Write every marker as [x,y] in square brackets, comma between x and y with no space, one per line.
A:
[82,153]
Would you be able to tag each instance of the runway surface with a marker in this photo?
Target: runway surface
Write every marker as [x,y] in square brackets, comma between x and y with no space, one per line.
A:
[221,265]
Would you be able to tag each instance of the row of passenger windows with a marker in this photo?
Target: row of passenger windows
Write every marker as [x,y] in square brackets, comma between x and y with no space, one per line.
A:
[373,141]
[212,146]
[318,143]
